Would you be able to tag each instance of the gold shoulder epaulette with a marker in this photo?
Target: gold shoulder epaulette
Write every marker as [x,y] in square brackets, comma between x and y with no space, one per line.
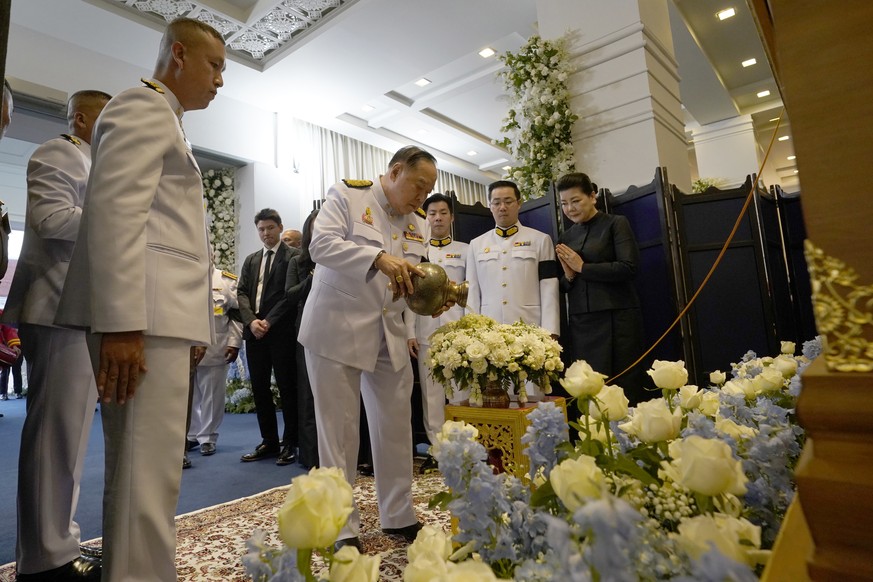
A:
[152,86]
[71,138]
[358,183]
[421,213]
[229,275]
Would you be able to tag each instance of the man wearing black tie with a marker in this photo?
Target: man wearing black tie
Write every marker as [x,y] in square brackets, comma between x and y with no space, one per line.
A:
[268,321]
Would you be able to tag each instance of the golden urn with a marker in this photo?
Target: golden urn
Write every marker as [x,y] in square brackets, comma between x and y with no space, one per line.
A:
[434,290]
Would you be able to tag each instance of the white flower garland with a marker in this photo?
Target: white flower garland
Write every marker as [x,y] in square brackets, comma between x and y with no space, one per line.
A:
[539,122]
[221,206]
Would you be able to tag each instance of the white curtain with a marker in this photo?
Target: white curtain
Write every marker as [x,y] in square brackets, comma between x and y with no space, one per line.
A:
[323,157]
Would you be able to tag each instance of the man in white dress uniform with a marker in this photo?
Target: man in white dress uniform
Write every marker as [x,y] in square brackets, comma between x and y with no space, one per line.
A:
[512,269]
[366,243]
[451,255]
[139,279]
[61,391]
[210,375]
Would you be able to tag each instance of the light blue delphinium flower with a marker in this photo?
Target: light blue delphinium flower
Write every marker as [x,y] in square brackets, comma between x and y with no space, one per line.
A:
[612,537]
[267,564]
[546,432]
[713,566]
[812,348]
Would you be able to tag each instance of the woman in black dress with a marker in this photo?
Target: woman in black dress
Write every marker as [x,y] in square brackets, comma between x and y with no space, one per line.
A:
[599,258]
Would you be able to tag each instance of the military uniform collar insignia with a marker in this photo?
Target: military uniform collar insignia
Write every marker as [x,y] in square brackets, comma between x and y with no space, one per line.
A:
[506,232]
[71,138]
[441,242]
[360,184]
[229,275]
[153,86]
[421,213]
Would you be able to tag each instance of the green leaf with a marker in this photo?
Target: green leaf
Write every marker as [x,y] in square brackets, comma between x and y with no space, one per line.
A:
[440,500]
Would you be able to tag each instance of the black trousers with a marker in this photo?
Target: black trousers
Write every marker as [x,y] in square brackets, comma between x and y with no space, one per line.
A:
[308,430]
[16,377]
[274,354]
[610,341]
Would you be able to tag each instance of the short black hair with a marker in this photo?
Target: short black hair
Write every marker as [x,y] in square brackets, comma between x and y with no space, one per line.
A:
[268,214]
[412,156]
[504,184]
[576,180]
[439,198]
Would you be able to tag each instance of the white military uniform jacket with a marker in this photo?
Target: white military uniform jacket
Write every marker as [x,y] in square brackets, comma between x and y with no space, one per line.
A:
[228,332]
[57,174]
[504,276]
[142,258]
[350,304]
[453,258]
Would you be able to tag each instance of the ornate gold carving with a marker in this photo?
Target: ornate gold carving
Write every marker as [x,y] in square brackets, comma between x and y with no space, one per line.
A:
[842,312]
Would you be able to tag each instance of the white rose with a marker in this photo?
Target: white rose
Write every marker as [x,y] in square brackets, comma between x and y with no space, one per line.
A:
[690,397]
[430,540]
[740,387]
[612,402]
[734,537]
[732,429]
[788,348]
[786,365]
[669,375]
[717,378]
[705,466]
[350,566]
[227,181]
[581,380]
[316,508]
[426,567]
[769,380]
[577,480]
[709,404]
[653,422]
[470,571]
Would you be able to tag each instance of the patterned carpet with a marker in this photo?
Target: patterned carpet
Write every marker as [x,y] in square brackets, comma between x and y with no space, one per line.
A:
[211,542]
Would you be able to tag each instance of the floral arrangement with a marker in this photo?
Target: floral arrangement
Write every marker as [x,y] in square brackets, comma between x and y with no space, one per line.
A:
[470,352]
[238,397]
[702,184]
[691,486]
[315,510]
[539,122]
[222,209]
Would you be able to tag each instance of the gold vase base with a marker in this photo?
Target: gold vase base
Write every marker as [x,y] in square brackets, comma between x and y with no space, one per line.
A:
[493,397]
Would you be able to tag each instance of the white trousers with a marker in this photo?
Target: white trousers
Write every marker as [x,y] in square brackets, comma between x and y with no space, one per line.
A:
[337,390]
[61,398]
[145,440]
[207,408]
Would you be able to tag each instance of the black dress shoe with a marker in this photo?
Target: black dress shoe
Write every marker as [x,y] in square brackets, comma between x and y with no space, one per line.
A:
[408,533]
[347,542]
[186,462]
[190,445]
[262,451]
[80,569]
[365,469]
[429,465]
[287,456]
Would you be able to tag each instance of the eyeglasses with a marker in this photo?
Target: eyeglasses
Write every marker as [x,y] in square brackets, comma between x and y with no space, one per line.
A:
[498,203]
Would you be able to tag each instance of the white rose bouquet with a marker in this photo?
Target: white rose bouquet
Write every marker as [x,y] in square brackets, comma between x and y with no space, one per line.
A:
[222,214]
[470,352]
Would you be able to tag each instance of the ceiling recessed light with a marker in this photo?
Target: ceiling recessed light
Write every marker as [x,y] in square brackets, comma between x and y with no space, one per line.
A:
[472,153]
[764,93]
[792,157]
[367,108]
[783,138]
[487,52]
[422,82]
[749,62]
[726,13]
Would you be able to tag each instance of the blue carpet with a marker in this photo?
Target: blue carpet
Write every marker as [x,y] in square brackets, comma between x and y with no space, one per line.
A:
[212,480]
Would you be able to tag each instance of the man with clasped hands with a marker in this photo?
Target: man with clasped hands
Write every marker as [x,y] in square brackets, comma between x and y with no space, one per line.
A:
[139,279]
[366,243]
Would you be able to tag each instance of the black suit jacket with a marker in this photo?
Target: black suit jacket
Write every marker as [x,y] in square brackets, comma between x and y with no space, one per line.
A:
[610,254]
[275,307]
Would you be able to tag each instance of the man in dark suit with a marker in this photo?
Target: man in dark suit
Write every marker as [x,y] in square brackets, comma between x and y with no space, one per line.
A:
[268,320]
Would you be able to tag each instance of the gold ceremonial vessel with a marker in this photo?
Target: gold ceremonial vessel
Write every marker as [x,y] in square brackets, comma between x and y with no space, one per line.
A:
[434,290]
